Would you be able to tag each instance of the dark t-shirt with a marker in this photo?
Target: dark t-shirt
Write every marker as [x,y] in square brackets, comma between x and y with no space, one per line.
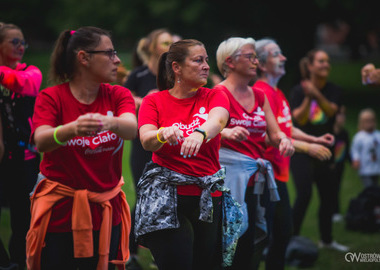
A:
[318,123]
[341,147]
[141,81]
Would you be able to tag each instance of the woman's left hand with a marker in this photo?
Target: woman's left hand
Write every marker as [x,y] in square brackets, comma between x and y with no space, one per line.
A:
[192,144]
[105,122]
[286,147]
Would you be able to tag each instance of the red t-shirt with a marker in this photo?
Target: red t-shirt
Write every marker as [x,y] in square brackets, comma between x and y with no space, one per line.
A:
[253,121]
[161,109]
[281,111]
[93,163]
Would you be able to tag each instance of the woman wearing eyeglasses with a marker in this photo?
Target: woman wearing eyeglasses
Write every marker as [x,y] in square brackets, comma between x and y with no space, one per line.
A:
[244,142]
[141,82]
[80,217]
[19,86]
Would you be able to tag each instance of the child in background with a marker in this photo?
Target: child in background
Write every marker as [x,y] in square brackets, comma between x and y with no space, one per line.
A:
[365,150]
[341,155]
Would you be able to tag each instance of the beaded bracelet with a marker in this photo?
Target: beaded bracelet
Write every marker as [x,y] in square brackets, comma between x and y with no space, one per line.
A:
[55,136]
[158,136]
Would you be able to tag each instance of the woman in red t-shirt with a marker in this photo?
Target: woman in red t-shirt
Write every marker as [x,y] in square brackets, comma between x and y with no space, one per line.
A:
[181,125]
[270,71]
[244,138]
[80,125]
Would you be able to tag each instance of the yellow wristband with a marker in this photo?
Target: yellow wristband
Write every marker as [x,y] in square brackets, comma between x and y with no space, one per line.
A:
[55,136]
[158,136]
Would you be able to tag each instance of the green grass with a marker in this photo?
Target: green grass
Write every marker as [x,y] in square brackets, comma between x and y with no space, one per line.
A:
[356,97]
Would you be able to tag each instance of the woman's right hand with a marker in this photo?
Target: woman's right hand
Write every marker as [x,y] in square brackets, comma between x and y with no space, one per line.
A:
[308,88]
[236,133]
[366,71]
[286,147]
[171,134]
[87,125]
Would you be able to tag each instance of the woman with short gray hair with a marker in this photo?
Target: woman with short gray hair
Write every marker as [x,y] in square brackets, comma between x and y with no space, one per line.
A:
[271,69]
[244,142]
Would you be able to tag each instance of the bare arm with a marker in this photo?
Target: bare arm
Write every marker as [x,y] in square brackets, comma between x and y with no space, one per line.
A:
[125,126]
[26,82]
[312,149]
[149,134]
[276,137]
[326,139]
[330,108]
[301,113]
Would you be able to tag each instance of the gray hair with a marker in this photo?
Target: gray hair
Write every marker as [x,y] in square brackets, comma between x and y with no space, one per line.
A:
[228,48]
[262,54]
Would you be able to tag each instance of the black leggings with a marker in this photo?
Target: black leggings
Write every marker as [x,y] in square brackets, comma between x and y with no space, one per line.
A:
[194,245]
[248,255]
[305,171]
[58,253]
[18,176]
[281,229]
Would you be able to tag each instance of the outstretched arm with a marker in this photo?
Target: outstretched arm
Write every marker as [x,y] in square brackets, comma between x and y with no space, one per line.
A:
[26,82]
[276,137]
[46,137]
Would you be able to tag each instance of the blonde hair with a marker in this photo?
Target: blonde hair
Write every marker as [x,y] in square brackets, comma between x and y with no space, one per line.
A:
[228,48]
[146,45]
[362,114]
[5,27]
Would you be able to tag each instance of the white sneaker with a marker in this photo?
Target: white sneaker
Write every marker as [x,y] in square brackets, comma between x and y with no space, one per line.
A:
[337,218]
[333,245]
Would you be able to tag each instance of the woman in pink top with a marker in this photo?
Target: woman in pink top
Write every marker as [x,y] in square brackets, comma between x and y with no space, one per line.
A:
[19,86]
[251,121]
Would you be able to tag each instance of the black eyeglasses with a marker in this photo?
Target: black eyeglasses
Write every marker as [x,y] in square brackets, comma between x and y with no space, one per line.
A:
[252,57]
[19,42]
[110,53]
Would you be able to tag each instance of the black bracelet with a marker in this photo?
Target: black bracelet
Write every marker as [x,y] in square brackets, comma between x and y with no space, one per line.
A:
[202,131]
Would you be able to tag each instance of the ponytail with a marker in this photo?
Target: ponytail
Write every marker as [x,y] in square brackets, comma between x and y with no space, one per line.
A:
[59,68]
[304,70]
[163,82]
[69,43]
[143,50]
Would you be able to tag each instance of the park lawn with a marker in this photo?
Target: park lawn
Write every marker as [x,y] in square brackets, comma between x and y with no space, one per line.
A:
[358,242]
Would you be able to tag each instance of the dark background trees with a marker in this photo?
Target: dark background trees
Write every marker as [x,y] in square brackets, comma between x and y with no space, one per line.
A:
[294,24]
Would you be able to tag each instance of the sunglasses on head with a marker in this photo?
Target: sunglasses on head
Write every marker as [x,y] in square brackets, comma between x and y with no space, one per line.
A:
[19,42]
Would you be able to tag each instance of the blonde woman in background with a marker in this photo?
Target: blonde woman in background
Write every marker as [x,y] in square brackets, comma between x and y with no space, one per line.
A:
[142,81]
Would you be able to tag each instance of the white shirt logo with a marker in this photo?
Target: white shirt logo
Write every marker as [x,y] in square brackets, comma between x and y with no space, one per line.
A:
[188,129]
